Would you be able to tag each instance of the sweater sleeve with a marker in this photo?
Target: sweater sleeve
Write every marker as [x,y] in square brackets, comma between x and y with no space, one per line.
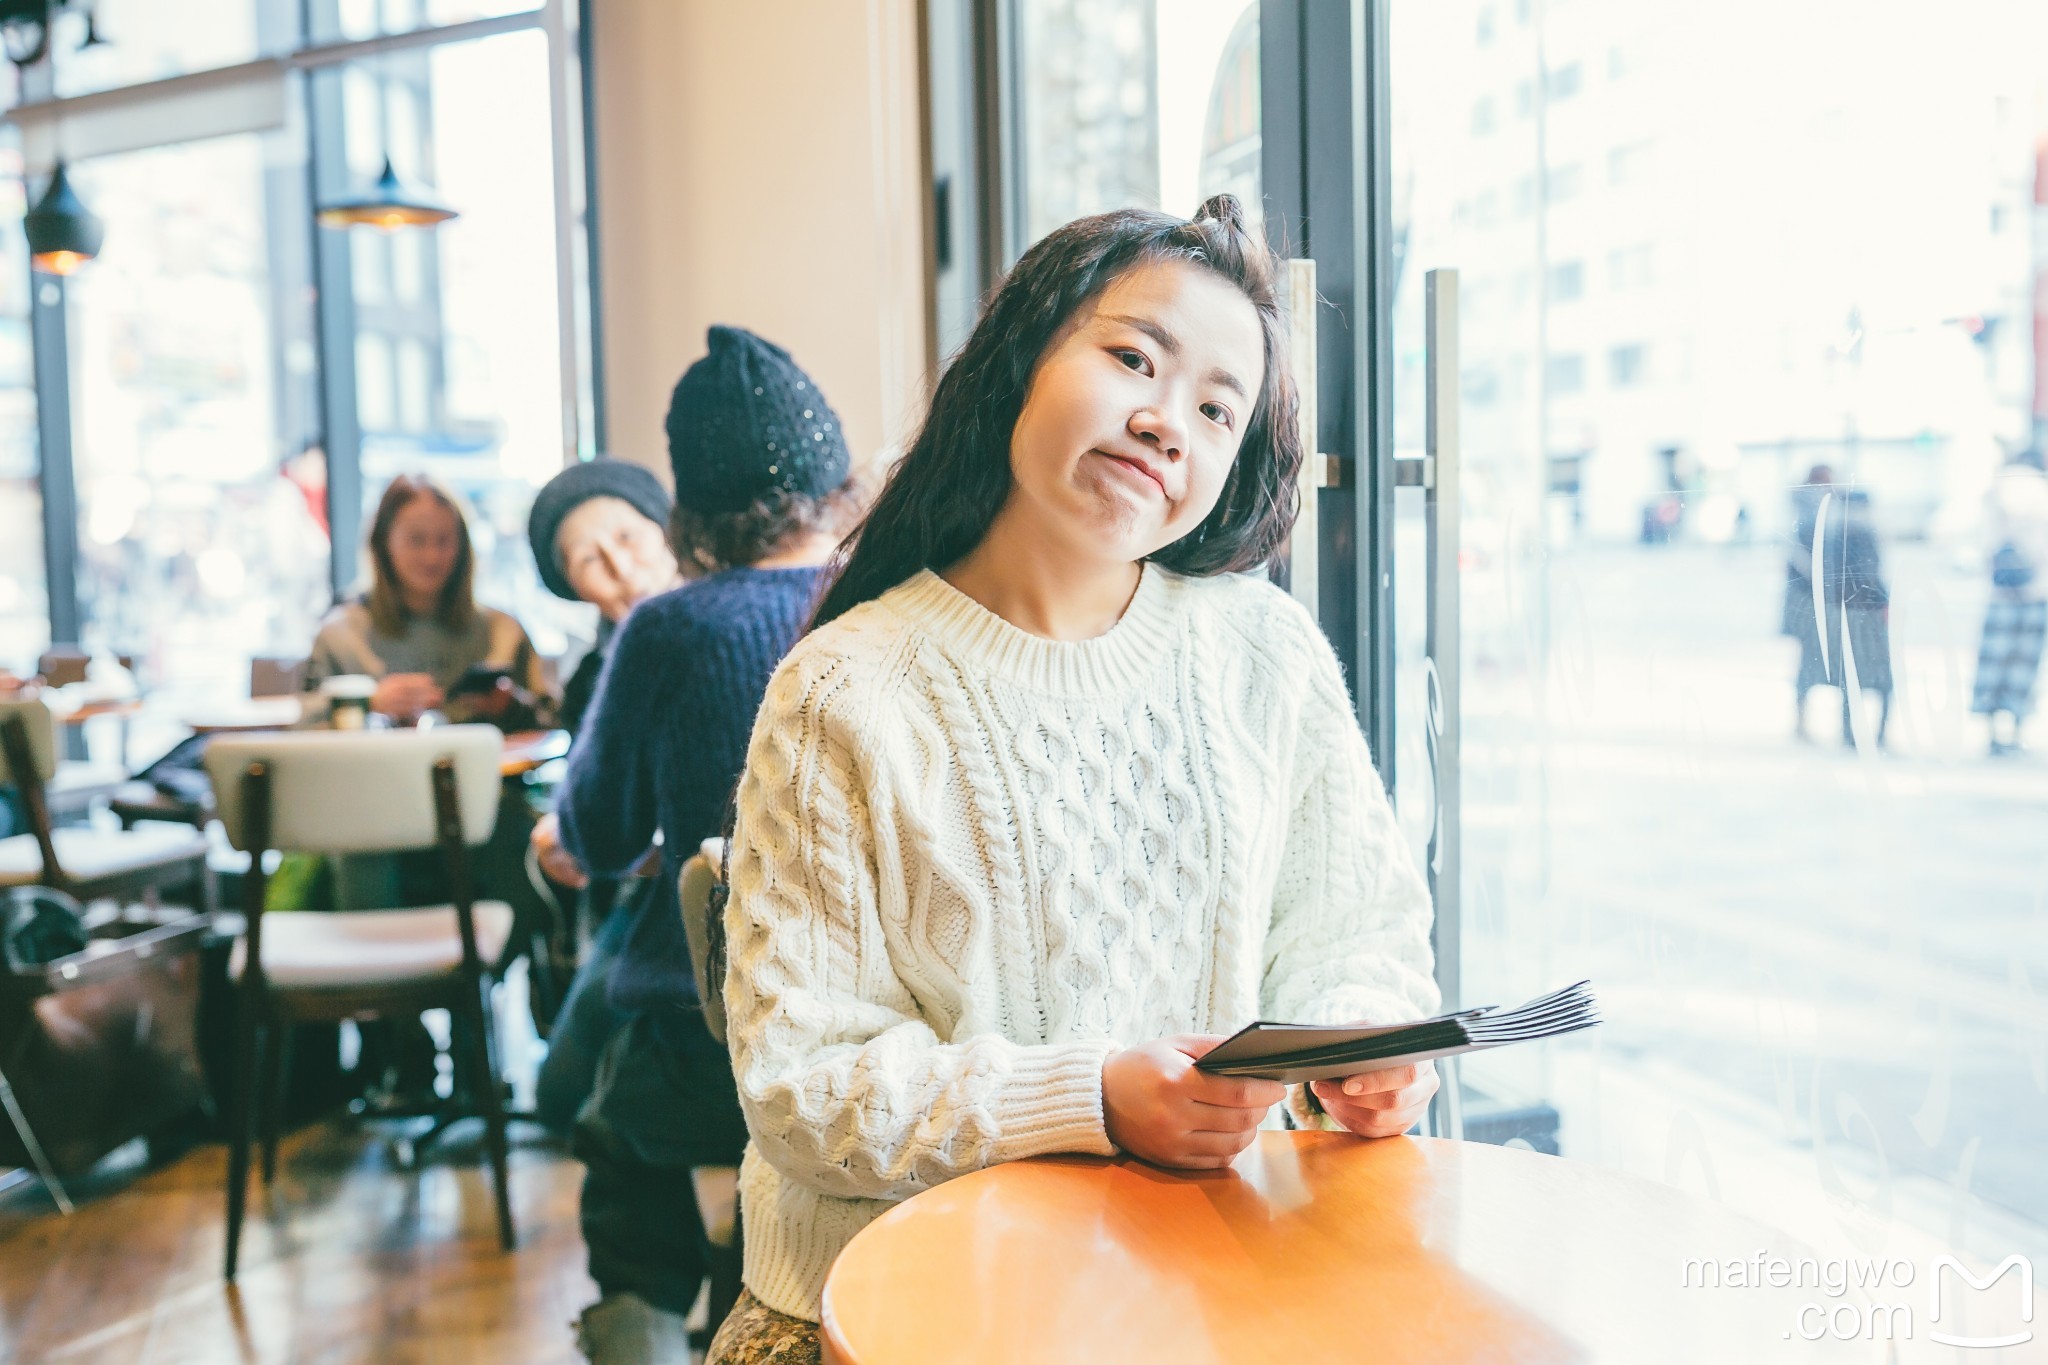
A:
[1349,938]
[846,1085]
[608,807]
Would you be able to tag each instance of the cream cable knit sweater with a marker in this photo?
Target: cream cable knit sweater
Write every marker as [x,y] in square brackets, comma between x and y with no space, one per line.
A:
[971,862]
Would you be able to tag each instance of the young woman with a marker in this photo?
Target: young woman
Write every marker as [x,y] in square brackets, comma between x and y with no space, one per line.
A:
[1056,794]
[419,628]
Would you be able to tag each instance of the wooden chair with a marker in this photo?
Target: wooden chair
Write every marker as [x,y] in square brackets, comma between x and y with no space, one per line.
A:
[382,791]
[91,864]
[717,1187]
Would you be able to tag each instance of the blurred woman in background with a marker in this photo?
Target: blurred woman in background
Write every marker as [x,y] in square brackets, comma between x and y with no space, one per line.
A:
[599,532]
[419,629]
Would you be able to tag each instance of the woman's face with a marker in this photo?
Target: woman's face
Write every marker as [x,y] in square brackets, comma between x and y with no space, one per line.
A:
[613,556]
[1136,412]
[425,542]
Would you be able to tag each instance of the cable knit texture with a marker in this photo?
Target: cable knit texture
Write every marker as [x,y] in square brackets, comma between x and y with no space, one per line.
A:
[971,863]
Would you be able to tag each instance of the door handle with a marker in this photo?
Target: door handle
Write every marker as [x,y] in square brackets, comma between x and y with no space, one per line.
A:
[1436,473]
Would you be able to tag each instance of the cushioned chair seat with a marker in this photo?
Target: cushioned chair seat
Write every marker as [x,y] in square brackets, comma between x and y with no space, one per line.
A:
[313,948]
[90,855]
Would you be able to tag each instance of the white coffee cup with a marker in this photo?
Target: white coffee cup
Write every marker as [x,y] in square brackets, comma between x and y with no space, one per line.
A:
[348,700]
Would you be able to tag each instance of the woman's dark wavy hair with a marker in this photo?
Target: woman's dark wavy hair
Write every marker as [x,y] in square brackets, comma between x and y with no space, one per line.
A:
[939,501]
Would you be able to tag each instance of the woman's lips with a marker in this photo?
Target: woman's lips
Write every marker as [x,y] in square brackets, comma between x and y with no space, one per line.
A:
[1137,468]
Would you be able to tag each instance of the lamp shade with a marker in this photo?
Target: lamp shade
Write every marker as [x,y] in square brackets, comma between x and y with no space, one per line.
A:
[390,204]
[62,233]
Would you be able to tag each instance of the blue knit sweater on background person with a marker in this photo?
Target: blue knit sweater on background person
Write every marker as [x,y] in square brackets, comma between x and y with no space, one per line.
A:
[662,747]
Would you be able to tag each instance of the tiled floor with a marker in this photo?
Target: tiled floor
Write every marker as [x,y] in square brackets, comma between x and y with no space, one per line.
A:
[346,1259]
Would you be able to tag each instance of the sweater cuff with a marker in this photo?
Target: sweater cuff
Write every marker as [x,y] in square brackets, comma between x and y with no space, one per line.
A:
[1051,1102]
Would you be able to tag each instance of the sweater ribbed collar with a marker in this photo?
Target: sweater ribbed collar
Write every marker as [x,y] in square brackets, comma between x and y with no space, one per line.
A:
[1114,662]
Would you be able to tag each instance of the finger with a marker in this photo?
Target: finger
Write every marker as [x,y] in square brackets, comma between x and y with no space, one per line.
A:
[1195,1045]
[1224,1118]
[1376,1122]
[1393,1078]
[1370,1121]
[1406,1097]
[1224,1145]
[1237,1092]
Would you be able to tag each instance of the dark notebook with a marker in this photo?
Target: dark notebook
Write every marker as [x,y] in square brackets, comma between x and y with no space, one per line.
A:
[1295,1053]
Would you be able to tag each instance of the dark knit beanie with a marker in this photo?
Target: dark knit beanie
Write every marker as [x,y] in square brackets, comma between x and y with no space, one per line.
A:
[746,419]
[576,485]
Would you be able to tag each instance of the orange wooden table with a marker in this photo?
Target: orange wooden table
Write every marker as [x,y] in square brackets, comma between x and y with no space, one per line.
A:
[1314,1247]
[528,749]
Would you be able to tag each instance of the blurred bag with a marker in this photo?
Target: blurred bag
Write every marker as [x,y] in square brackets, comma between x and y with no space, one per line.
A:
[101,1045]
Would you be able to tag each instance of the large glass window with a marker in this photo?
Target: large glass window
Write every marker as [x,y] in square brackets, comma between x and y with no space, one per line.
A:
[24,612]
[458,332]
[1146,103]
[130,42]
[1810,315]
[202,537]
[198,404]
[354,19]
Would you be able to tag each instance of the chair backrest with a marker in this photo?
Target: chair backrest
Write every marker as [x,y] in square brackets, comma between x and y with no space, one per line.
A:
[42,740]
[270,677]
[699,879]
[357,791]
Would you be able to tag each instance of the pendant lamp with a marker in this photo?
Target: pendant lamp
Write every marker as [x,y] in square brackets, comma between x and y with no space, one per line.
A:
[390,205]
[63,234]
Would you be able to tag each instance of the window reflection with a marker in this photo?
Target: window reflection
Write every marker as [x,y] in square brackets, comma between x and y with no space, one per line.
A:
[1728,439]
[1147,103]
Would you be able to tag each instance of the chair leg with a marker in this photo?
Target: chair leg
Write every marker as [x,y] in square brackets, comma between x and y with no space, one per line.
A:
[484,1081]
[275,1069]
[241,1108]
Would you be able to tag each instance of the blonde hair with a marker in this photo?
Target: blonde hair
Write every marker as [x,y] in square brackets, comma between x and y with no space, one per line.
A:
[457,607]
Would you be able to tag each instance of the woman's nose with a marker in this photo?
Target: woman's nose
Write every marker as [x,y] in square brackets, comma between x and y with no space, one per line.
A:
[1158,427]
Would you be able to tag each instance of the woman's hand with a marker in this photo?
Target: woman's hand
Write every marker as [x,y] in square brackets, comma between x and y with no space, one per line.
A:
[1159,1108]
[1379,1103]
[560,865]
[405,696]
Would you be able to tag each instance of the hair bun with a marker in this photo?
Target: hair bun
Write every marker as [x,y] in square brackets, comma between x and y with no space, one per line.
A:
[1224,210]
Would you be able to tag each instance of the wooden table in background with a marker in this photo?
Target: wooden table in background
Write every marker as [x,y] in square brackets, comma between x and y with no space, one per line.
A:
[246,715]
[528,749]
[1314,1247]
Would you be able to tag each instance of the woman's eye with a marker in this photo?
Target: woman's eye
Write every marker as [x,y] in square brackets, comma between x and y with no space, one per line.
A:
[1217,413]
[1133,360]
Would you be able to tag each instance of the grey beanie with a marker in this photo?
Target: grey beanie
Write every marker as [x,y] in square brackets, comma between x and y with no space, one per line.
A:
[576,485]
[745,420]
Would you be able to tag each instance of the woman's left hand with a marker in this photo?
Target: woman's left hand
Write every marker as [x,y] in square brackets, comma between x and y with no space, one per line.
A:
[1379,1103]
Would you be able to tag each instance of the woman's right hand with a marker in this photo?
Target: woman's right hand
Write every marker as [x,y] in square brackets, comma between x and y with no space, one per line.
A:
[405,696]
[1158,1107]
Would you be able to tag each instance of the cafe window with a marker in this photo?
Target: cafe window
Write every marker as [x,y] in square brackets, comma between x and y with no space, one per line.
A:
[24,608]
[460,361]
[1131,102]
[190,399]
[242,385]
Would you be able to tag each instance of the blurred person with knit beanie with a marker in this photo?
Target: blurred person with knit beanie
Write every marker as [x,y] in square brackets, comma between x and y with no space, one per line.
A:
[762,491]
[599,531]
